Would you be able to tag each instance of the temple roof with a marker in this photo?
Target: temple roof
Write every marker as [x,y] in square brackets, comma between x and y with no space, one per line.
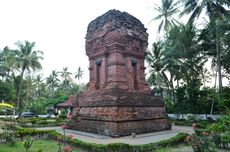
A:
[115,19]
[71,102]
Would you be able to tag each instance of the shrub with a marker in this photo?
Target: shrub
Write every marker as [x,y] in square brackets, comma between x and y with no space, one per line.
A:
[202,143]
[22,133]
[9,133]
[221,131]
[27,143]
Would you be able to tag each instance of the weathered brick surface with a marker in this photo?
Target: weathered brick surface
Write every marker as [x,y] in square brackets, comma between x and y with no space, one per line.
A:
[121,114]
[117,100]
[116,129]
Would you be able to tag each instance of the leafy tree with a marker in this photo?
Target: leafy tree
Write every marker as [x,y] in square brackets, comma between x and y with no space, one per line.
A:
[38,106]
[188,62]
[7,62]
[182,40]
[6,92]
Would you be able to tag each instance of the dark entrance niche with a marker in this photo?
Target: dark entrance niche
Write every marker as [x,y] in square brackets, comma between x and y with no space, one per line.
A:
[134,73]
[98,74]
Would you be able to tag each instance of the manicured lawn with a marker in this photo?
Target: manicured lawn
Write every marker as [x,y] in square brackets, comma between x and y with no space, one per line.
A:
[38,146]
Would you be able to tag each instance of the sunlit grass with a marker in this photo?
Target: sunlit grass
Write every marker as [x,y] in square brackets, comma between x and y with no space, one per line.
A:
[37,146]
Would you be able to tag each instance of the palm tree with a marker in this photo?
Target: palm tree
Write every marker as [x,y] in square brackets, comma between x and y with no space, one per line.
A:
[157,63]
[226,42]
[66,76]
[26,59]
[212,8]
[166,11]
[209,40]
[216,11]
[7,62]
[30,89]
[182,45]
[52,82]
[79,73]
[76,90]
[38,85]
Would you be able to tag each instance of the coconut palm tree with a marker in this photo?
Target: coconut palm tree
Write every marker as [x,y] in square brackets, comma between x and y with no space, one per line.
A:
[220,53]
[38,85]
[66,78]
[79,73]
[52,82]
[166,11]
[76,90]
[215,10]
[182,41]
[26,59]
[65,74]
[212,8]
[157,63]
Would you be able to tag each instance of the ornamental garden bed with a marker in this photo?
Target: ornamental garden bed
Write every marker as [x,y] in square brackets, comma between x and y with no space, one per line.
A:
[34,122]
[211,137]
[20,136]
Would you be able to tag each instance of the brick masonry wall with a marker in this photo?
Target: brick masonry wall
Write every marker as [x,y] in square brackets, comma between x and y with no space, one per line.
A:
[117,100]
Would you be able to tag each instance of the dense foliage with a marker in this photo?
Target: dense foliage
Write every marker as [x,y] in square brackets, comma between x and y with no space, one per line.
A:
[186,65]
[22,86]
[188,59]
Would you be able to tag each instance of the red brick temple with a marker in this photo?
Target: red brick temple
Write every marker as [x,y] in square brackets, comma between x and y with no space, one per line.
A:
[117,100]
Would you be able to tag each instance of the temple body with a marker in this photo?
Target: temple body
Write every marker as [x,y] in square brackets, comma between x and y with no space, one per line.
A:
[117,100]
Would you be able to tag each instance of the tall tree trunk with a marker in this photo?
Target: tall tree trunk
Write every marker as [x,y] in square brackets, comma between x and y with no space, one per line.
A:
[172,89]
[52,91]
[218,60]
[19,89]
[214,94]
[203,77]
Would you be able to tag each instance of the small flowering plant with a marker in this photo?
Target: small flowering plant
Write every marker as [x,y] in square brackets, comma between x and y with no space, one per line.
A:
[70,136]
[202,143]
[64,126]
[62,140]
[67,148]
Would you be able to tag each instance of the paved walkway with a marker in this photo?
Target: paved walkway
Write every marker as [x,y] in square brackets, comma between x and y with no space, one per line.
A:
[139,139]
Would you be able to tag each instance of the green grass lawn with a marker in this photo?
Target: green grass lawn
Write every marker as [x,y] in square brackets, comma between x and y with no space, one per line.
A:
[37,146]
[52,146]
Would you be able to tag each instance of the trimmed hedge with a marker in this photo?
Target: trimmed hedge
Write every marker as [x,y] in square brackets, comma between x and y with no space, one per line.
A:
[92,147]
[121,147]
[39,122]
